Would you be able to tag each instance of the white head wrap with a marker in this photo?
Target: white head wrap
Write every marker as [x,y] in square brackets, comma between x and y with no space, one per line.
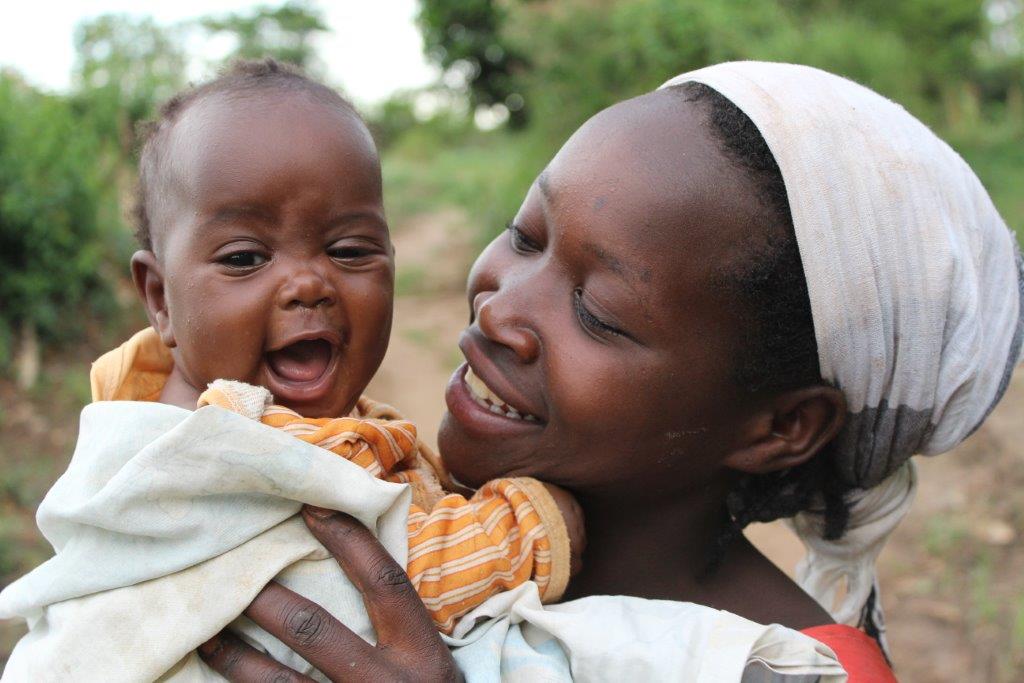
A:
[915,288]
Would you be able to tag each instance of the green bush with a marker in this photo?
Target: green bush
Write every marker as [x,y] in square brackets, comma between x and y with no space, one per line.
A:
[52,246]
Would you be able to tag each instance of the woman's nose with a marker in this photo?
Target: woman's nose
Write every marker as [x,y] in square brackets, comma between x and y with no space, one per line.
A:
[306,288]
[504,321]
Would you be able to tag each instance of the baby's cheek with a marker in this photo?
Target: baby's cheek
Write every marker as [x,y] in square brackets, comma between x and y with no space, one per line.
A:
[223,344]
[370,313]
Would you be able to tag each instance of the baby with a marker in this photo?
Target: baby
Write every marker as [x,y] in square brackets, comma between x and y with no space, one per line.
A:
[266,260]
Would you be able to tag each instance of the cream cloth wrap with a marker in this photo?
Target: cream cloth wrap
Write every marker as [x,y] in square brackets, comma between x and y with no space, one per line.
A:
[915,288]
[168,522]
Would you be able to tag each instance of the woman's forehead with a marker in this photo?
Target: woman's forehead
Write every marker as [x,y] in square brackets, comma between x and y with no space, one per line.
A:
[644,185]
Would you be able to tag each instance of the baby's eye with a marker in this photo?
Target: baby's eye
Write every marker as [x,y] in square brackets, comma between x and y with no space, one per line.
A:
[520,242]
[349,252]
[242,260]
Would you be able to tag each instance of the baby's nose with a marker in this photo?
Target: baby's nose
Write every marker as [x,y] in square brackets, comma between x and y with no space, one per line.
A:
[306,289]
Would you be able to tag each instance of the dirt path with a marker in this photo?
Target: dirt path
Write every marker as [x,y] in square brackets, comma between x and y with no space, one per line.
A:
[953,574]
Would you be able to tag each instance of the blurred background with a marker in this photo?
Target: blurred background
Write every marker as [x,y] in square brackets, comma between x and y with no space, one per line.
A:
[468,99]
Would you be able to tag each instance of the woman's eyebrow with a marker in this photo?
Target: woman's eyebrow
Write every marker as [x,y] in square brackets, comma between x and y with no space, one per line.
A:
[630,276]
[543,182]
[612,262]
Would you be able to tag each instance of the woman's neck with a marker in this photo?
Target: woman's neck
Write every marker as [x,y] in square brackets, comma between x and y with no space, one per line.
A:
[648,549]
[663,550]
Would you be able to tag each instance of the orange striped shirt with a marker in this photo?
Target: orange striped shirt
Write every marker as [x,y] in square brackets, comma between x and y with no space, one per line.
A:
[460,551]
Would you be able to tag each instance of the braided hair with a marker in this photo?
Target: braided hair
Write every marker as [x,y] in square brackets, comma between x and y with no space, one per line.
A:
[778,350]
[243,76]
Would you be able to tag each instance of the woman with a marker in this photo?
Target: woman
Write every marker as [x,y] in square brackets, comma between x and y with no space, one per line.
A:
[751,295]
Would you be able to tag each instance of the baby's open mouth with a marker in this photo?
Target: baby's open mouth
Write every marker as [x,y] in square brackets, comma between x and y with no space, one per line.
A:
[303,361]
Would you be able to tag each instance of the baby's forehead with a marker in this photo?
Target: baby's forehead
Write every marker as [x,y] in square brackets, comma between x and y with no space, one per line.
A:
[225,142]
[250,114]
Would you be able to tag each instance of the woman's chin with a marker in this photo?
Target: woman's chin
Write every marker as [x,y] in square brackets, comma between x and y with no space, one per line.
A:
[468,461]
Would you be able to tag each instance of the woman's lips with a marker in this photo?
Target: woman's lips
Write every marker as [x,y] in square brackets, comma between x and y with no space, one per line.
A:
[478,418]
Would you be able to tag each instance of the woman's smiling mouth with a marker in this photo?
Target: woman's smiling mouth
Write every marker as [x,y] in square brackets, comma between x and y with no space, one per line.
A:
[492,407]
[486,397]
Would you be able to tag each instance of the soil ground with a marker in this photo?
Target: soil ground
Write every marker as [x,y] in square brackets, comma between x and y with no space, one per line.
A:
[952,576]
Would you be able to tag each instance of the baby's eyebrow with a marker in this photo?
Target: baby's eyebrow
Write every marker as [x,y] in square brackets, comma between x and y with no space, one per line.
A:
[229,214]
[356,216]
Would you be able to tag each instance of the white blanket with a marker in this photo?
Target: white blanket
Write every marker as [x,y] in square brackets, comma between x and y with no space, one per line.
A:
[168,522]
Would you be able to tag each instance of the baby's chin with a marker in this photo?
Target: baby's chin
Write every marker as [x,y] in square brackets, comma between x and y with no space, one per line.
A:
[330,407]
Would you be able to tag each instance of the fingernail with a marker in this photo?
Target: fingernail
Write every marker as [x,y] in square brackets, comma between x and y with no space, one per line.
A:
[318,512]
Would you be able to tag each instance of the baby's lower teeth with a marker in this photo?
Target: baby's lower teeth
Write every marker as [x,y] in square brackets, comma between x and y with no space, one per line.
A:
[496,410]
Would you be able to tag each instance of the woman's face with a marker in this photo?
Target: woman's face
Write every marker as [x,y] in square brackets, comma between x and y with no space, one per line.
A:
[602,335]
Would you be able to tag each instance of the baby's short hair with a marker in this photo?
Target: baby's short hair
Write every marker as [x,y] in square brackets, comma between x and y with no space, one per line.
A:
[239,77]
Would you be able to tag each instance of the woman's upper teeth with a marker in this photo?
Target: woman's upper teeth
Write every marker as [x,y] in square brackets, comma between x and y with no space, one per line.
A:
[488,399]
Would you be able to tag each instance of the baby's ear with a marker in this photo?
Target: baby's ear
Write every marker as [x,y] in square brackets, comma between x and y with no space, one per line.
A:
[792,429]
[149,281]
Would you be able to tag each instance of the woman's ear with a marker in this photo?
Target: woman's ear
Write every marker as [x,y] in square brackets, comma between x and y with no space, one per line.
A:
[148,276]
[790,430]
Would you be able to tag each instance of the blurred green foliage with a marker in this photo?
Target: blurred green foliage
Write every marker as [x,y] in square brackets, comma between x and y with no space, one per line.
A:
[956,64]
[285,33]
[465,37]
[124,67]
[67,162]
[52,244]
[67,165]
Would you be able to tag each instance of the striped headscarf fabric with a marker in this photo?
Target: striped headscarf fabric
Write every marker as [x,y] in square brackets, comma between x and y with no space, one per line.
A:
[915,287]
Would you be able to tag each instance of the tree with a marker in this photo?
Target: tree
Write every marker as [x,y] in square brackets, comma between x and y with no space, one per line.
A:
[51,242]
[465,37]
[285,33]
[124,68]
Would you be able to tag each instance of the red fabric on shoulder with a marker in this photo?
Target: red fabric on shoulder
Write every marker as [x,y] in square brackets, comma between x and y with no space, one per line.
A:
[857,652]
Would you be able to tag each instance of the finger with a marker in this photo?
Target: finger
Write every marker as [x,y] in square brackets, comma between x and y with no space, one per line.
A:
[311,632]
[395,609]
[235,660]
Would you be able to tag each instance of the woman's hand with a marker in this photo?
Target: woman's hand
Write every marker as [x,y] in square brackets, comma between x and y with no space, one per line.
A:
[408,644]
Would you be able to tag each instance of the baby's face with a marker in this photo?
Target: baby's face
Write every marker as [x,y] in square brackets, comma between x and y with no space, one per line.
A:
[277,265]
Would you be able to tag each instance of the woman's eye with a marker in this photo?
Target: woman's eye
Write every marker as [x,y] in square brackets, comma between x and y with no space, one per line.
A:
[520,242]
[244,259]
[591,321]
